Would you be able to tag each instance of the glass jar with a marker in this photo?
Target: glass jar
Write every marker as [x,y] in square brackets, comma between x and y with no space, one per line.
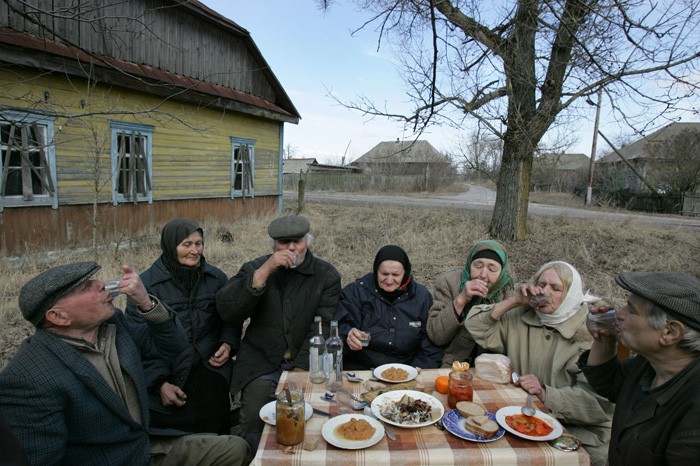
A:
[290,420]
[459,388]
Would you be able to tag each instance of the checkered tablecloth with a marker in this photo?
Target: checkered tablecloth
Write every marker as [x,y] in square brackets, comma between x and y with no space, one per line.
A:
[421,446]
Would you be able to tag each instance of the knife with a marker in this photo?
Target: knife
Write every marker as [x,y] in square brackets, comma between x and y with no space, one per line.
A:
[322,413]
[390,434]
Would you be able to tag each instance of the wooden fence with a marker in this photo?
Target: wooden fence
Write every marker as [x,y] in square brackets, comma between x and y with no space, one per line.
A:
[691,204]
[356,182]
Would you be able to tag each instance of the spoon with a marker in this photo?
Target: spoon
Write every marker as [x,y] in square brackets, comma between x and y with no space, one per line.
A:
[356,405]
[390,434]
[528,410]
[352,377]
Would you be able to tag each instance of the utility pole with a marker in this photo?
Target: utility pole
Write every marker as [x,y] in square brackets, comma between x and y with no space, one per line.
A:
[589,191]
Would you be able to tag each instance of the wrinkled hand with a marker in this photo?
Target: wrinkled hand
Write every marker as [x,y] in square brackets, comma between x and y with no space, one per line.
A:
[284,258]
[131,285]
[353,339]
[526,291]
[171,395]
[531,384]
[221,356]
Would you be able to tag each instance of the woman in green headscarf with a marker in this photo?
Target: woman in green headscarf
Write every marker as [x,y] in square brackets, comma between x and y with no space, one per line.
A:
[485,279]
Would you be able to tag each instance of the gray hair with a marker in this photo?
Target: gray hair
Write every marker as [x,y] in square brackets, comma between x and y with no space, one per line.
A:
[658,318]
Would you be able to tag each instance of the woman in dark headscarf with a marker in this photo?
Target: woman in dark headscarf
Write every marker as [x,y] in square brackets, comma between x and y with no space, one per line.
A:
[484,279]
[195,397]
[390,305]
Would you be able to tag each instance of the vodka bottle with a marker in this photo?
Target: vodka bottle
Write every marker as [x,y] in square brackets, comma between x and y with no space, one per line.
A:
[334,358]
[317,355]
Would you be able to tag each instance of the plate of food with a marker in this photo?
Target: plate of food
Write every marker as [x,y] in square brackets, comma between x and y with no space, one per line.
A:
[395,373]
[407,408]
[352,431]
[479,428]
[268,413]
[539,427]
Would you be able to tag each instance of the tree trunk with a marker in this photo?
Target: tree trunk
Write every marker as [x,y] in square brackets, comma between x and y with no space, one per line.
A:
[509,221]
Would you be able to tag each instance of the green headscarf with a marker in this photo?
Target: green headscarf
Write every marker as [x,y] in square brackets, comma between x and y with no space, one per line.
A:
[504,279]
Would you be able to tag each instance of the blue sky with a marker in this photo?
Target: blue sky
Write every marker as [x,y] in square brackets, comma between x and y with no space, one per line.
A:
[313,53]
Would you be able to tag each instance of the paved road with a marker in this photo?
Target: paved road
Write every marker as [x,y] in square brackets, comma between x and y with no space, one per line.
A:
[480,198]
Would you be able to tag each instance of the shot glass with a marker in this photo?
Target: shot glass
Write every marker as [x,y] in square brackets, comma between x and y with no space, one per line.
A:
[295,261]
[365,338]
[538,300]
[343,402]
[112,287]
[602,321]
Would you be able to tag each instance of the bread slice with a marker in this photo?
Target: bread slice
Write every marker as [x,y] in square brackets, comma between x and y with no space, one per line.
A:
[468,409]
[481,426]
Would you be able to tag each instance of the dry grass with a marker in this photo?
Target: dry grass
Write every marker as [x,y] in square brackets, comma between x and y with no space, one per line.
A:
[435,239]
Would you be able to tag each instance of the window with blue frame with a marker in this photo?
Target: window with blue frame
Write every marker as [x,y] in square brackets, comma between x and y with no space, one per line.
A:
[28,175]
[131,162]
[242,167]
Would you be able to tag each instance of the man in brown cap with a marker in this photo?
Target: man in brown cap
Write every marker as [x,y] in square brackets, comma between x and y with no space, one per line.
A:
[281,293]
[657,391]
[75,392]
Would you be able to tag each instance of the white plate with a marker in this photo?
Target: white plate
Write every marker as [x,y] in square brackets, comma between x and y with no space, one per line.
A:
[268,413]
[510,410]
[454,423]
[328,432]
[395,395]
[412,372]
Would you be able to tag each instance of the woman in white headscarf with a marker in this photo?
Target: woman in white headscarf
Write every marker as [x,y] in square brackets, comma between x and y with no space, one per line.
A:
[544,340]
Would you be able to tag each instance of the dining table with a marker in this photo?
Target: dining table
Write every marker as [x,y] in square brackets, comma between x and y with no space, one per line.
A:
[427,445]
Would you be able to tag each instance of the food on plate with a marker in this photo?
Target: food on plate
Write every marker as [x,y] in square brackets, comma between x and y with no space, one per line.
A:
[495,368]
[460,366]
[377,388]
[395,374]
[468,409]
[355,429]
[407,411]
[482,426]
[441,384]
[529,425]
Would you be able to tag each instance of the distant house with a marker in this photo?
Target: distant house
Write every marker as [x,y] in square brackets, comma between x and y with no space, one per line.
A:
[403,158]
[656,159]
[560,171]
[296,166]
[118,115]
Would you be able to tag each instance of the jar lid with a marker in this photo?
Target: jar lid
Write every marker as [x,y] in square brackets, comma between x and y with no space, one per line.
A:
[566,442]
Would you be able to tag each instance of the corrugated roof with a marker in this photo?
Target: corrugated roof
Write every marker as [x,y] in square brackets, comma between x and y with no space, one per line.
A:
[638,148]
[402,152]
[566,162]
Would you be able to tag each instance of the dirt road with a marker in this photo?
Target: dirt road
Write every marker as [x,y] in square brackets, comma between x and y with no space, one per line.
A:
[480,198]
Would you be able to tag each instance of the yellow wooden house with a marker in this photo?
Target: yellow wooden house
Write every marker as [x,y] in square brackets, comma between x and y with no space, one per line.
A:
[119,115]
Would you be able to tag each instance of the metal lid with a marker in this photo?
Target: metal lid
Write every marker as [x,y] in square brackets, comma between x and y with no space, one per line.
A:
[566,442]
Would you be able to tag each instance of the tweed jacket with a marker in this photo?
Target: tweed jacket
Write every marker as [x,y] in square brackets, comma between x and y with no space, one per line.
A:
[62,410]
[443,326]
[196,311]
[397,327]
[552,356]
[651,427]
[281,314]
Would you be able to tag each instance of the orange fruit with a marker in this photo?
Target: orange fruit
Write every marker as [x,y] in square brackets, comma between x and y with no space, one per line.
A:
[460,366]
[441,383]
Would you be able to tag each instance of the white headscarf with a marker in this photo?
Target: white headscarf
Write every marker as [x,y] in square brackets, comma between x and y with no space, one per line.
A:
[573,300]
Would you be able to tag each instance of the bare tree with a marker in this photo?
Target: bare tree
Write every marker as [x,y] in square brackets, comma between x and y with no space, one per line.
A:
[675,163]
[480,154]
[526,65]
[289,151]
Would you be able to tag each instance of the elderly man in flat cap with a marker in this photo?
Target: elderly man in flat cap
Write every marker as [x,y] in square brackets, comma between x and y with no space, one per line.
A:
[281,293]
[75,392]
[657,417]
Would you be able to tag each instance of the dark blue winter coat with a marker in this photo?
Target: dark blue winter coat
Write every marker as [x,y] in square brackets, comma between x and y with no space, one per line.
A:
[398,328]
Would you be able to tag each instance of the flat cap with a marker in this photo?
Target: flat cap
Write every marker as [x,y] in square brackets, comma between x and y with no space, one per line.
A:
[676,292]
[288,227]
[41,292]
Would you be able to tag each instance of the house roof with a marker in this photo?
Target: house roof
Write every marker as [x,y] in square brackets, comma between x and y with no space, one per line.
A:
[297,165]
[402,152]
[638,149]
[23,48]
[565,162]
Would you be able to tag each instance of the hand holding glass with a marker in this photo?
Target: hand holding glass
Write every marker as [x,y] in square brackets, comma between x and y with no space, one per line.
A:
[365,337]
[112,287]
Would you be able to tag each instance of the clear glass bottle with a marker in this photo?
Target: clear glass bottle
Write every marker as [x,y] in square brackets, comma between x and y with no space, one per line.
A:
[334,359]
[317,354]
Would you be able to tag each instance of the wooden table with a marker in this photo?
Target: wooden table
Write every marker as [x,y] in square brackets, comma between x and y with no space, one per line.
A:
[421,446]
